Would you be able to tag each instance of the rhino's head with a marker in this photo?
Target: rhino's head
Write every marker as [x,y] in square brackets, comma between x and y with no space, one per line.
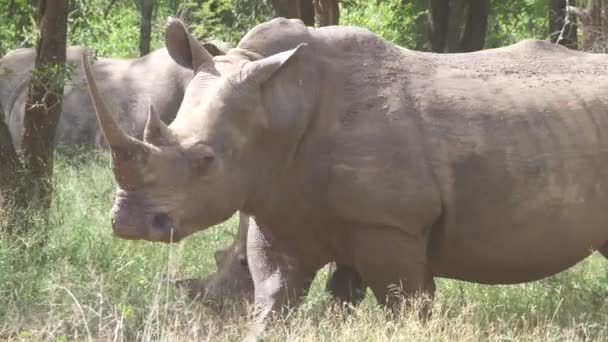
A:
[232,282]
[198,171]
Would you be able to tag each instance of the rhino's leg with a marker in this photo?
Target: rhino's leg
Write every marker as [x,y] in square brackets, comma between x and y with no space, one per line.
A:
[195,287]
[394,265]
[345,285]
[280,282]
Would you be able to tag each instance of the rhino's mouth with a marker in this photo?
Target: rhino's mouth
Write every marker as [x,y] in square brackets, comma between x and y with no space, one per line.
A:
[160,227]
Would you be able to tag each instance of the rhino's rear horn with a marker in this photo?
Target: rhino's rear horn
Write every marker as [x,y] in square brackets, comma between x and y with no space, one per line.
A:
[156,132]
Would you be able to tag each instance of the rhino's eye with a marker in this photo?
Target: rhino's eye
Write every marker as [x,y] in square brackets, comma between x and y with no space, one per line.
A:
[201,157]
[243,261]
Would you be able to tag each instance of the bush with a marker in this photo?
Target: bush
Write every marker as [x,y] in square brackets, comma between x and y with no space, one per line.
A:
[226,20]
[512,21]
[403,23]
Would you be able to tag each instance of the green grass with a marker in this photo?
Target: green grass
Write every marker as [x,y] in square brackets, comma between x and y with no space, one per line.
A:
[93,286]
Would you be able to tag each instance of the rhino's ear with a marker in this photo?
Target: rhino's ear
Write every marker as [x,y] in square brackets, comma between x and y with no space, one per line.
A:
[183,47]
[156,132]
[262,70]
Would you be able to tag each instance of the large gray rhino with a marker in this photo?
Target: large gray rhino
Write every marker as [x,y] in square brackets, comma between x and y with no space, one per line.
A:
[488,167]
[131,84]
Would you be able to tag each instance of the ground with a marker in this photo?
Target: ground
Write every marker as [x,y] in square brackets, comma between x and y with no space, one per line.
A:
[87,284]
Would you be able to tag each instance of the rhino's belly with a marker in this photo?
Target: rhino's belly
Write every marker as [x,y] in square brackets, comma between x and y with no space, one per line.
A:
[524,205]
[520,246]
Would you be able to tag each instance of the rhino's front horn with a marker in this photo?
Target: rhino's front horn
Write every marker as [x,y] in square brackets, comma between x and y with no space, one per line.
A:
[114,135]
[128,153]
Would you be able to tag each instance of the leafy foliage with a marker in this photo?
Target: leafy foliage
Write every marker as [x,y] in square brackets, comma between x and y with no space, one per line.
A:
[110,30]
[402,22]
[514,20]
[51,77]
[226,20]
[405,22]
[112,27]
[21,28]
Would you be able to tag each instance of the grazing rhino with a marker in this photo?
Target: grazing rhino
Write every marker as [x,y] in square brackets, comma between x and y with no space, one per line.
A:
[488,167]
[232,282]
[132,83]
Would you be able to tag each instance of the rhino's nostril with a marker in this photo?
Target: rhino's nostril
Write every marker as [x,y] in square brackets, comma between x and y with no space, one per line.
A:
[162,221]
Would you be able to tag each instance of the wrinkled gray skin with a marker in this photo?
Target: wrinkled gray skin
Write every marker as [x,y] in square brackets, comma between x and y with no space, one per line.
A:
[488,167]
[131,84]
[232,282]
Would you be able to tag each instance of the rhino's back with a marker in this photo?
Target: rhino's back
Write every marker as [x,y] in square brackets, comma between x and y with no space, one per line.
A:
[15,72]
[129,85]
[517,139]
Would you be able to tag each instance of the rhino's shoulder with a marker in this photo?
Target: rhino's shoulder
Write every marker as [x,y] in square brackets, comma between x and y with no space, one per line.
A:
[274,36]
[27,55]
[529,59]
[536,45]
[535,48]
[19,52]
[18,58]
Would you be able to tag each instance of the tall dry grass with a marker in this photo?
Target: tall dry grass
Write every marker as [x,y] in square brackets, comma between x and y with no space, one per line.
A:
[87,285]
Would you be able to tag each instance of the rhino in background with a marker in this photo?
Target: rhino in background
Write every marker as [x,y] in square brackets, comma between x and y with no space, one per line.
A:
[131,84]
[232,282]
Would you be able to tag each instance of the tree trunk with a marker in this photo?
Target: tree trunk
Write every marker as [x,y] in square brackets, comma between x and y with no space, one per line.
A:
[29,187]
[457,25]
[145,26]
[10,165]
[11,9]
[603,14]
[438,20]
[474,36]
[300,9]
[307,12]
[284,8]
[327,12]
[594,25]
[562,29]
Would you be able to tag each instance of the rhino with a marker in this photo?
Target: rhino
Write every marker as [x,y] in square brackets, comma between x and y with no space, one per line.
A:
[232,282]
[487,167]
[133,83]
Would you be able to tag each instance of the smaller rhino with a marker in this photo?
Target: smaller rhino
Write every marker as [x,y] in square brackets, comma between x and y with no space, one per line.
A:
[154,79]
[232,282]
